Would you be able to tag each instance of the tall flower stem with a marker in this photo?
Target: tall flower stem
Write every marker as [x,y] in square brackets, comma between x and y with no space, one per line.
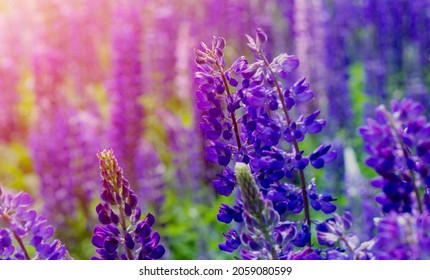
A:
[124,230]
[233,117]
[295,144]
[405,154]
[6,218]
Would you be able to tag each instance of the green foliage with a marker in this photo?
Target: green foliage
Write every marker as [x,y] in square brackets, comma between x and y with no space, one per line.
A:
[190,230]
[16,168]
[360,99]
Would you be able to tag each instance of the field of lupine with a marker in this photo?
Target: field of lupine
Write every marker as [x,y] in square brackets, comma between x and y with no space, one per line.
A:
[214,129]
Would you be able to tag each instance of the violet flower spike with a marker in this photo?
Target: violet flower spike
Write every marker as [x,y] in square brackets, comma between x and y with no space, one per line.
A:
[397,144]
[122,235]
[280,67]
[257,92]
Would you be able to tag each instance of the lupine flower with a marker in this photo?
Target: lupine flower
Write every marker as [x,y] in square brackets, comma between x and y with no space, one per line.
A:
[402,236]
[122,234]
[397,142]
[66,177]
[376,63]
[341,242]
[310,37]
[257,92]
[333,230]
[183,142]
[151,177]
[126,87]
[389,58]
[338,61]
[419,21]
[21,226]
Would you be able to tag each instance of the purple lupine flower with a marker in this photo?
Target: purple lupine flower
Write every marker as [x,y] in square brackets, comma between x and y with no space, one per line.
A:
[390,58]
[126,87]
[417,90]
[257,92]
[218,127]
[374,61]
[122,234]
[233,17]
[321,202]
[310,36]
[288,12]
[397,142]
[232,241]
[294,130]
[66,177]
[333,230]
[402,236]
[183,142]
[419,20]
[151,177]
[228,213]
[22,226]
[161,38]
[341,244]
[337,60]
[84,63]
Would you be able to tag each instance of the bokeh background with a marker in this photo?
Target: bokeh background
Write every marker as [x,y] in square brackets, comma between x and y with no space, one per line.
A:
[83,75]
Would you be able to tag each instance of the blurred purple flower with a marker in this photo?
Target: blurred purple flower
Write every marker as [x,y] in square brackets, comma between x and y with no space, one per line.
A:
[397,142]
[126,87]
[61,148]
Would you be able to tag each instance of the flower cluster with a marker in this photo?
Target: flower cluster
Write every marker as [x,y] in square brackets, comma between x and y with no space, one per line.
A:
[333,231]
[122,234]
[21,226]
[398,144]
[246,118]
[66,177]
[402,236]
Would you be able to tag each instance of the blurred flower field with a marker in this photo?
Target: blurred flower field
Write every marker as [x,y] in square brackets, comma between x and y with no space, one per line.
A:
[296,130]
